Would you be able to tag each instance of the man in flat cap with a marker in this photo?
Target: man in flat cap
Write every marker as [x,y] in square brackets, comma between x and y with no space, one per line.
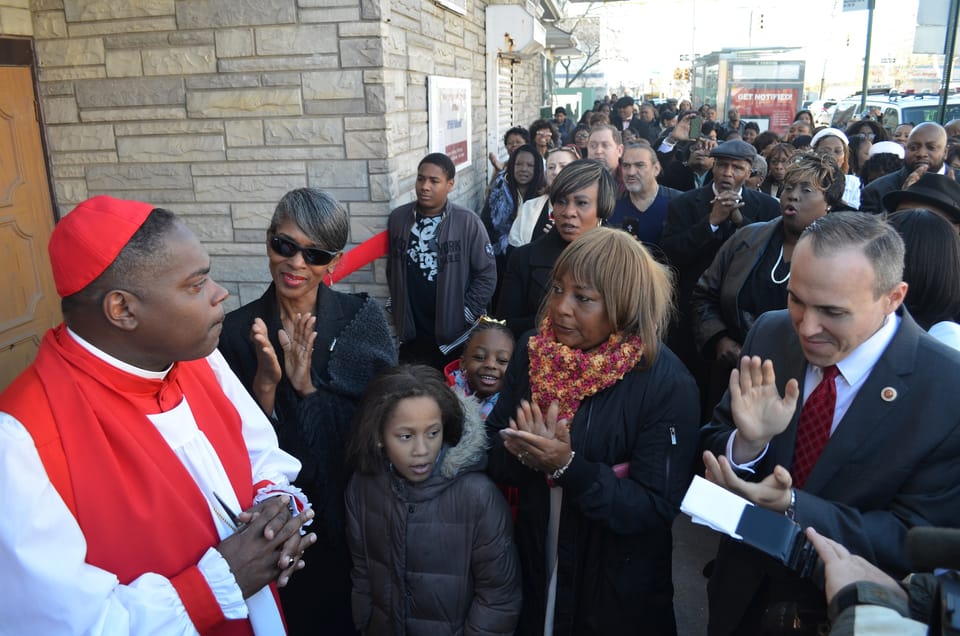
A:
[128,447]
[698,223]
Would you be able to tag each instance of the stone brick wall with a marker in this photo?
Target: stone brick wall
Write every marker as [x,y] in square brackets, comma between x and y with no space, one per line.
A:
[215,108]
[15,17]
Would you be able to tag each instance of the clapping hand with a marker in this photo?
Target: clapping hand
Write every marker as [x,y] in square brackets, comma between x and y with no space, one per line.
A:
[298,352]
[772,493]
[759,412]
[268,373]
[538,441]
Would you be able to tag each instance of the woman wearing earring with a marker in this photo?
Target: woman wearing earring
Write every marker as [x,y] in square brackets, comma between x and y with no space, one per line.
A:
[750,272]
[306,354]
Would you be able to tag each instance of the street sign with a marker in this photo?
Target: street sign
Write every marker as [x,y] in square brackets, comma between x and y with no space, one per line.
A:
[856,5]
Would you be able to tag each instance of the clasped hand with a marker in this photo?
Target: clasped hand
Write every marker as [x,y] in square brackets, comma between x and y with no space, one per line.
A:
[268,546]
[538,441]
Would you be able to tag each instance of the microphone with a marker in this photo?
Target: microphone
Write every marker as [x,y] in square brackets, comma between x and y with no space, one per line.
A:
[931,548]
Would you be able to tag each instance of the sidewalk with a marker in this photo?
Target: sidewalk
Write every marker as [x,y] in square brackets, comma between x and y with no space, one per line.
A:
[693,547]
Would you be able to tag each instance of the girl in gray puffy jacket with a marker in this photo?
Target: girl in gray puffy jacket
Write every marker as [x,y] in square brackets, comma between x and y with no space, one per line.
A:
[429,533]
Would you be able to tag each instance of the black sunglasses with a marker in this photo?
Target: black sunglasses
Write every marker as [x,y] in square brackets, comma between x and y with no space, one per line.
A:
[312,255]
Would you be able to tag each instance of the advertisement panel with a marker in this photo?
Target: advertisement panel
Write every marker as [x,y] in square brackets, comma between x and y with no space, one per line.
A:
[772,107]
[449,121]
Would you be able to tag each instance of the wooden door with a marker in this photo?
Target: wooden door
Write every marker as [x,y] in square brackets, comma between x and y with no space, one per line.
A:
[29,304]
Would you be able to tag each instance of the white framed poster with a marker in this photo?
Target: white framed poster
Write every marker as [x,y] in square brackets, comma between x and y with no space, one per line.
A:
[449,118]
[457,6]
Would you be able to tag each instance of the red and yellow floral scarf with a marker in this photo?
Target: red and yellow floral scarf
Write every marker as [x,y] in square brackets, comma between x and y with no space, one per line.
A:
[567,376]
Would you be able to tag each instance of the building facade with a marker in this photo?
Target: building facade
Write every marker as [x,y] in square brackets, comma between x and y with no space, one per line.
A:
[215,108]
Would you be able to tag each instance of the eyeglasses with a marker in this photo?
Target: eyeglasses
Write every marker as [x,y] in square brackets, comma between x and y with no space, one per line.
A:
[544,133]
[566,148]
[312,255]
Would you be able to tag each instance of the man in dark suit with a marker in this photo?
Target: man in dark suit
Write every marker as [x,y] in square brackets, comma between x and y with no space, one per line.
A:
[872,451]
[925,152]
[626,116]
[698,222]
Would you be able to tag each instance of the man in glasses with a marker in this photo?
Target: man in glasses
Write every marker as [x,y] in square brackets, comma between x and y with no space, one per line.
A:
[440,268]
[128,448]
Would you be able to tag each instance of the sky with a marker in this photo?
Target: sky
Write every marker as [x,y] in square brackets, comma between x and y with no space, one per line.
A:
[833,42]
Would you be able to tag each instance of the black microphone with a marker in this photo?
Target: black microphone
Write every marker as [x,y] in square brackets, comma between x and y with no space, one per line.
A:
[931,548]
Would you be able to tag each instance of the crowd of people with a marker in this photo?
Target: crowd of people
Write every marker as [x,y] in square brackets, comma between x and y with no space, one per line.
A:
[645,295]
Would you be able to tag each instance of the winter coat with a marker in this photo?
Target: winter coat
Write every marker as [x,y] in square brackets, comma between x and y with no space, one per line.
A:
[615,544]
[435,557]
[529,271]
[715,301]
[466,273]
[353,344]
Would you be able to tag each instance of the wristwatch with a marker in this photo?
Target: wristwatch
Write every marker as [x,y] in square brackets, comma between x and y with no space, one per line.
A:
[867,593]
[791,511]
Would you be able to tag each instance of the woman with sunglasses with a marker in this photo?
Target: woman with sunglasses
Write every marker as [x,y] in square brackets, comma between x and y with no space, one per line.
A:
[306,353]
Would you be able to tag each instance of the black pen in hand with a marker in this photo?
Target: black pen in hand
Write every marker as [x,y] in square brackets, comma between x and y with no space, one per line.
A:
[234,519]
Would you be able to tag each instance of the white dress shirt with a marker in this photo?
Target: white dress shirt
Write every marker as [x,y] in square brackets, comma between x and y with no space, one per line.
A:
[854,370]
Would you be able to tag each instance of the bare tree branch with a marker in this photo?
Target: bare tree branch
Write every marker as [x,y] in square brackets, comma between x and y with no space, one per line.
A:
[586,28]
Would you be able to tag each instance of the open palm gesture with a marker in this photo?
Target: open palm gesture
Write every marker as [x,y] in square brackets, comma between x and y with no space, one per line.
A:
[759,412]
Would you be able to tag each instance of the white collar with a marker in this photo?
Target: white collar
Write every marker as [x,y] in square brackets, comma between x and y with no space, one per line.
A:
[861,360]
[119,364]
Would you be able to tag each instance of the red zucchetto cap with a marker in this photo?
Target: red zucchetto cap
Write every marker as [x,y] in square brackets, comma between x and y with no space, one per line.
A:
[85,242]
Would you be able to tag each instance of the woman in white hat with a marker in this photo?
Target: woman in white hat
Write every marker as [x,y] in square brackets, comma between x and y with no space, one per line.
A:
[834,141]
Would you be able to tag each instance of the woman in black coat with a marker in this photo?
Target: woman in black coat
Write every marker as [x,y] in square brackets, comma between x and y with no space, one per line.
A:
[597,498]
[306,354]
[582,196]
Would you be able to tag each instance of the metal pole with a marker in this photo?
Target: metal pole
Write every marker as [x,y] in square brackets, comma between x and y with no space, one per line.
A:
[949,48]
[866,57]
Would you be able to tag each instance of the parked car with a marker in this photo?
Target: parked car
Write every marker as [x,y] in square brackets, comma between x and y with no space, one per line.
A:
[896,109]
[822,110]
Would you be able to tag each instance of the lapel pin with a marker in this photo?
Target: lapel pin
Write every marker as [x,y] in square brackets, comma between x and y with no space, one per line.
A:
[888,394]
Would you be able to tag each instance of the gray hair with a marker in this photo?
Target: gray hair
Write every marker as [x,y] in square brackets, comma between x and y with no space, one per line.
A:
[878,240]
[317,214]
[643,144]
[759,166]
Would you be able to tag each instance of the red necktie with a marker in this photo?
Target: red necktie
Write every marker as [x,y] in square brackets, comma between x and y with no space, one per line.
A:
[816,418]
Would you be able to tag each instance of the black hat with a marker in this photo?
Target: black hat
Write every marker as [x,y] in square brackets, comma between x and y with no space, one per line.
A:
[735,149]
[936,190]
[625,101]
